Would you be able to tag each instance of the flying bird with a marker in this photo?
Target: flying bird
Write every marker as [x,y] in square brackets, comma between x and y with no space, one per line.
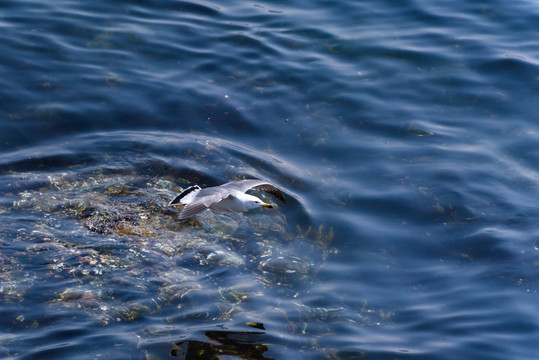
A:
[227,197]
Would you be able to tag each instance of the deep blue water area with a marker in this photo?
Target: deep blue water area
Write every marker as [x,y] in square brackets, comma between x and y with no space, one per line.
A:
[404,136]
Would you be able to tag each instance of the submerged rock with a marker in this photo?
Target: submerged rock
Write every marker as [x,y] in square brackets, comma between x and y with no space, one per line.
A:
[106,247]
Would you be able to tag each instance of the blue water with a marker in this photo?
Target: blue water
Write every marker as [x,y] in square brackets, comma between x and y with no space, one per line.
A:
[403,134]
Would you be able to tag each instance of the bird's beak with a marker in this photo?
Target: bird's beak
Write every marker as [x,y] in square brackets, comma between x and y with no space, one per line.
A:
[266,205]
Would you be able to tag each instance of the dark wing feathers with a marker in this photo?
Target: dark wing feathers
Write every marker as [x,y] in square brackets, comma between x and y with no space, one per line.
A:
[244,185]
[184,193]
[270,189]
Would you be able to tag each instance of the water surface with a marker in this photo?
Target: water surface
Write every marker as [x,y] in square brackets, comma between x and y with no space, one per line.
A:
[403,136]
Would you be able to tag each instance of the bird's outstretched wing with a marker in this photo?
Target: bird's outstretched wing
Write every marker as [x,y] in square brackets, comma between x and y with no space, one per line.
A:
[192,209]
[244,185]
[203,200]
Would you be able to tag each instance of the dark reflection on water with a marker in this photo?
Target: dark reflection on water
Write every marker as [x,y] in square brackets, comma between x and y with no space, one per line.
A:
[223,343]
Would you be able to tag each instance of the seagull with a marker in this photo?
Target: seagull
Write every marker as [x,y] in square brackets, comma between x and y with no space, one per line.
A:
[227,197]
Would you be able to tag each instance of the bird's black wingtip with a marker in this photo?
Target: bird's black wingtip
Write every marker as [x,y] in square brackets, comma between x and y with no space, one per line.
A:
[183,194]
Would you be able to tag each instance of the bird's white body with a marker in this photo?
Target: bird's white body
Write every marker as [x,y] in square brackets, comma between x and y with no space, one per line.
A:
[238,202]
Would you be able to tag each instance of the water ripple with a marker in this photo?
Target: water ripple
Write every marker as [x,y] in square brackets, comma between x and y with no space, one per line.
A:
[402,135]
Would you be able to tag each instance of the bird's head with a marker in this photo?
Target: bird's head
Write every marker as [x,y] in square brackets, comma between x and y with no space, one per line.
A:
[252,202]
[259,203]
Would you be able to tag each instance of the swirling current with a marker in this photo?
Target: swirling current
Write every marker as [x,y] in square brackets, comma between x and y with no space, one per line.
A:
[403,136]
